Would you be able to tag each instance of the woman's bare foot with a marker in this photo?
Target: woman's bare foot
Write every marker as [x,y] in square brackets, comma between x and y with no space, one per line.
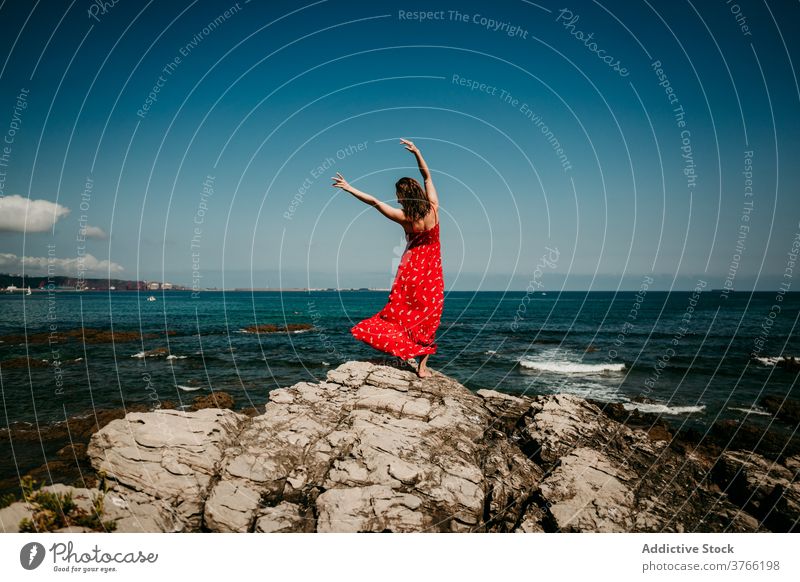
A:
[422,369]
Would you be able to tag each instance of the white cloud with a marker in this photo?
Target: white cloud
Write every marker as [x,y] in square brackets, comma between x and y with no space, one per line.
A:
[93,232]
[19,214]
[88,264]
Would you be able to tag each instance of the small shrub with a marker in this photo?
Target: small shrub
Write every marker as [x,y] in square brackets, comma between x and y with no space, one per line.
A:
[52,511]
[7,499]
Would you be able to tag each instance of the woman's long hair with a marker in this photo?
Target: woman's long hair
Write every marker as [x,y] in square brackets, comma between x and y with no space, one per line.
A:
[412,198]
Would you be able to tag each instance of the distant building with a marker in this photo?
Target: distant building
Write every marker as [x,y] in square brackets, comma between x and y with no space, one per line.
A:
[166,285]
[153,286]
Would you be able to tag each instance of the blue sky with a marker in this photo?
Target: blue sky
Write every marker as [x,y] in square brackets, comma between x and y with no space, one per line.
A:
[261,96]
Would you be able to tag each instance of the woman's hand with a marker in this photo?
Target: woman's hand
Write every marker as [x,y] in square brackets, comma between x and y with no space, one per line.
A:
[430,191]
[340,182]
[409,146]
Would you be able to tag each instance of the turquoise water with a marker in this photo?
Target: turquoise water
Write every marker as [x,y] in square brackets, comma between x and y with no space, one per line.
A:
[691,357]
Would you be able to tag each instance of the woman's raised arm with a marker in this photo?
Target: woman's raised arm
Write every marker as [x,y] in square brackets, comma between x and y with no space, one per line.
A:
[430,189]
[389,212]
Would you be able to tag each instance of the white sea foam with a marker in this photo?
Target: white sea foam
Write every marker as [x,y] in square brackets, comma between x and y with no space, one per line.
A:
[174,357]
[653,408]
[269,332]
[189,388]
[774,360]
[754,410]
[567,367]
[149,354]
[583,388]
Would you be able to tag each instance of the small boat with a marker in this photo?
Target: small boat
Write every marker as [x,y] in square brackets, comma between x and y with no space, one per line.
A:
[29,290]
[151,298]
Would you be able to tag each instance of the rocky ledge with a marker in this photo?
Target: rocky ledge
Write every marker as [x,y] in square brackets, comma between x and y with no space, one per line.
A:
[374,448]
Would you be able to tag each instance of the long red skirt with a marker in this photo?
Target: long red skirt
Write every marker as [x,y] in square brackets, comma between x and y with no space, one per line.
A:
[406,326]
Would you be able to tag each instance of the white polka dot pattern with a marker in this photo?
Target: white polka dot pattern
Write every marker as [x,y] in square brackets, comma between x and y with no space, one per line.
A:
[406,326]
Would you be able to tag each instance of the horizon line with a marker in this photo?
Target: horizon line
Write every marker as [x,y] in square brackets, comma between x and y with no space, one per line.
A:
[386,290]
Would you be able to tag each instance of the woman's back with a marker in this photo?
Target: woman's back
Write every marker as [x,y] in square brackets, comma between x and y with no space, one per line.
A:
[428,222]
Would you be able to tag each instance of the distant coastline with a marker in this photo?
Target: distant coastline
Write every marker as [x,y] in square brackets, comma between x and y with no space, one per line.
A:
[20,283]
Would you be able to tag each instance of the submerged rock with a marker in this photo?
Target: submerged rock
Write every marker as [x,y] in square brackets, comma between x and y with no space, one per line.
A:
[787,409]
[375,448]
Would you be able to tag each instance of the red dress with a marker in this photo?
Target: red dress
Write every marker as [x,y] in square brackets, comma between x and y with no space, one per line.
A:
[406,326]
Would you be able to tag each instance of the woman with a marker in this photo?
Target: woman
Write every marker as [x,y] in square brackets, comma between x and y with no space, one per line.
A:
[406,326]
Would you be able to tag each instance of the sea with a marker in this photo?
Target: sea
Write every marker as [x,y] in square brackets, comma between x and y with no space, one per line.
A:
[693,357]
